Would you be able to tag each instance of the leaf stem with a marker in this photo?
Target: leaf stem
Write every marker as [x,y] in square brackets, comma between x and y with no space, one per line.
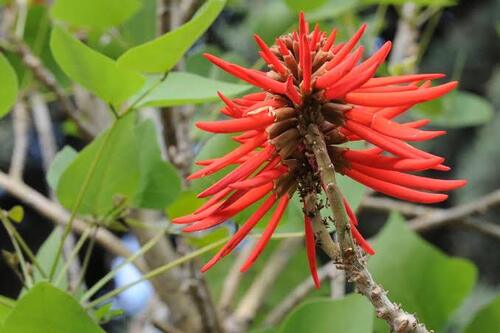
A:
[158,271]
[25,247]
[81,241]
[79,199]
[22,262]
[99,284]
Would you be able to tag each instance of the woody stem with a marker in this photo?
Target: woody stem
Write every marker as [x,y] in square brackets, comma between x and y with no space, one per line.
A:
[399,320]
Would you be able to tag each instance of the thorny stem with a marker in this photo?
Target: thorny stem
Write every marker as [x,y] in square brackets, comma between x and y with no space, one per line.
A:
[354,265]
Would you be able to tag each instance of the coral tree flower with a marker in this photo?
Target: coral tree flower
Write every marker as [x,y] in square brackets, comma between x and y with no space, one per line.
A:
[309,71]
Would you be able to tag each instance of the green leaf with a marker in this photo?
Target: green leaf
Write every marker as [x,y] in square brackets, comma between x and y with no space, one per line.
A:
[96,72]
[300,5]
[6,306]
[161,54]
[46,255]
[159,182]
[487,319]
[185,88]
[351,314]
[8,93]
[215,146]
[184,204]
[97,14]
[332,9]
[142,26]
[126,162]
[457,109]
[417,275]
[45,308]
[113,156]
[16,213]
[61,162]
[436,3]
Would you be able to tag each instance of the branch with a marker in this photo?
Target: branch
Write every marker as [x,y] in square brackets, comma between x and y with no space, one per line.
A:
[233,278]
[298,294]
[168,285]
[48,147]
[256,294]
[45,77]
[57,214]
[428,218]
[20,122]
[354,265]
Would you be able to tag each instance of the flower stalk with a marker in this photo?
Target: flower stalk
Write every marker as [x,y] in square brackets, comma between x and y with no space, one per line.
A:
[351,260]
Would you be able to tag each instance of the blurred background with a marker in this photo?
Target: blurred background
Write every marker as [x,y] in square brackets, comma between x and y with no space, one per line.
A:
[457,37]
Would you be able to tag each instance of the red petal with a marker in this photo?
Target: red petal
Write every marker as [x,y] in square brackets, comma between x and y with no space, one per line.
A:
[266,235]
[408,180]
[242,232]
[390,163]
[383,81]
[244,170]
[331,39]
[347,47]
[396,191]
[229,158]
[400,98]
[311,250]
[272,59]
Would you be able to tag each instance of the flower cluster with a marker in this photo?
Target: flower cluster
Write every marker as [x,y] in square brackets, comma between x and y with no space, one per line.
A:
[312,79]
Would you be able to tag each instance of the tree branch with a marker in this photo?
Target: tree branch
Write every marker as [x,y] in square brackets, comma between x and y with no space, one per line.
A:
[20,122]
[352,262]
[57,214]
[45,77]
[298,294]
[255,296]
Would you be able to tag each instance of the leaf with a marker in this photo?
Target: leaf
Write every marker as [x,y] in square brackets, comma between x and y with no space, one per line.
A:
[457,109]
[142,26]
[96,14]
[61,162]
[487,319]
[16,213]
[126,162]
[113,160]
[6,306]
[162,54]
[45,308]
[96,72]
[46,255]
[436,3]
[185,88]
[8,92]
[184,204]
[351,314]
[300,5]
[417,275]
[332,9]
[159,182]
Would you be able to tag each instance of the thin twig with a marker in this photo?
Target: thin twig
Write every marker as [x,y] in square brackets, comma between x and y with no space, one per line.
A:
[21,124]
[57,214]
[298,294]
[233,278]
[47,141]
[428,218]
[45,77]
[256,294]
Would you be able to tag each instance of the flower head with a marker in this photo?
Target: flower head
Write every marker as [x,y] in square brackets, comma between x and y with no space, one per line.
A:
[311,79]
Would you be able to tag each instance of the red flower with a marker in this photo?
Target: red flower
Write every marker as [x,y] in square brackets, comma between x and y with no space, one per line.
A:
[309,69]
